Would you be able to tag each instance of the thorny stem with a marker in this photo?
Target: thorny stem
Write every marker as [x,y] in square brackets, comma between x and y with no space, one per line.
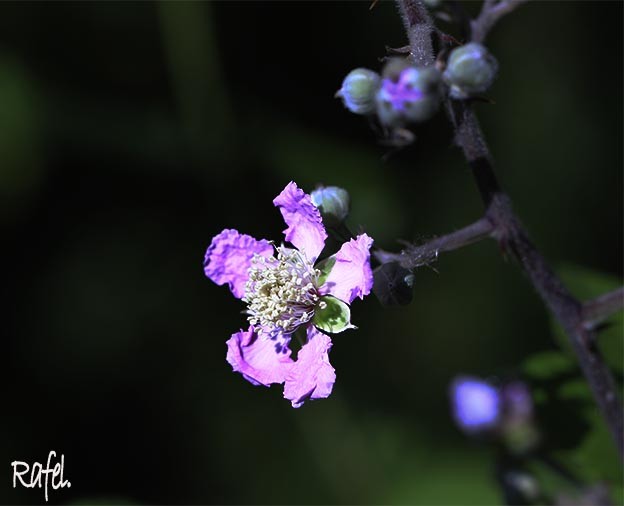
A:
[508,230]
[418,25]
[599,309]
[424,254]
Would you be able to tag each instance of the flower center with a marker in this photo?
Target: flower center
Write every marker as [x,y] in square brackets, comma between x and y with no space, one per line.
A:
[281,292]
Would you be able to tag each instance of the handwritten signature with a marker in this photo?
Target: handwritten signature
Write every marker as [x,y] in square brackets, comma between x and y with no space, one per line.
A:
[40,476]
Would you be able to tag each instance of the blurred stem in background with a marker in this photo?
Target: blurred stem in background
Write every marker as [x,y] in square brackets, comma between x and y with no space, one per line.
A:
[190,45]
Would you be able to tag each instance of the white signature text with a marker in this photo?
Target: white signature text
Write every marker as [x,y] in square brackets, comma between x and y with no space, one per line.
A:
[39,476]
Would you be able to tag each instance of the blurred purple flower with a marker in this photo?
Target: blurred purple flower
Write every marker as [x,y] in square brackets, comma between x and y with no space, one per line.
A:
[284,290]
[476,404]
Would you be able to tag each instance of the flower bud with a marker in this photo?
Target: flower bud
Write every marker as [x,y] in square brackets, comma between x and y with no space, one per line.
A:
[470,70]
[413,97]
[476,405]
[517,400]
[518,429]
[333,203]
[358,91]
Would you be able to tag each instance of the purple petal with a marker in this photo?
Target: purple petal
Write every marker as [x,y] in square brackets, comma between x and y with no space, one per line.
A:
[351,275]
[311,376]
[305,227]
[406,90]
[228,259]
[261,361]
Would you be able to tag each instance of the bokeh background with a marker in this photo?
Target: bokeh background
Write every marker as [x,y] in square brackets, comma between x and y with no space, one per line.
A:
[133,132]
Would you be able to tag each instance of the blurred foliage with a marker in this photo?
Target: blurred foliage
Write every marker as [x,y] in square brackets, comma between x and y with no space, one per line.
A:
[132,132]
[591,455]
[588,284]
[19,138]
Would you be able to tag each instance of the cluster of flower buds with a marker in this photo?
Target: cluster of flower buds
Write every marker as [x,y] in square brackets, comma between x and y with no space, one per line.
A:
[506,412]
[405,94]
[402,94]
[470,70]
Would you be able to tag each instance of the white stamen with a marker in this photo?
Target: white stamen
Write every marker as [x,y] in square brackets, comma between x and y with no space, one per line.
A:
[281,292]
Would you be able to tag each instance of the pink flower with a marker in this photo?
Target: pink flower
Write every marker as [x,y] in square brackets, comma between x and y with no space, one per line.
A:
[286,292]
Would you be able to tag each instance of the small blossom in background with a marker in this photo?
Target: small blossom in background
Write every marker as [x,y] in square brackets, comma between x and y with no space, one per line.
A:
[286,292]
[505,412]
[476,405]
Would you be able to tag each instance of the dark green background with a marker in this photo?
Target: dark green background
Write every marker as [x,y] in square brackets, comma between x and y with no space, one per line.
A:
[131,133]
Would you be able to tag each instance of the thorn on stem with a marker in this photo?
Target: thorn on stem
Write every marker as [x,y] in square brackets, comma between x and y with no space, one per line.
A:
[403,50]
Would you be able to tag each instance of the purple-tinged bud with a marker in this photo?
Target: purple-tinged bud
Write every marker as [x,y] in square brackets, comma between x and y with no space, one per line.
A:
[358,91]
[333,203]
[412,97]
[518,427]
[476,405]
[517,401]
[470,70]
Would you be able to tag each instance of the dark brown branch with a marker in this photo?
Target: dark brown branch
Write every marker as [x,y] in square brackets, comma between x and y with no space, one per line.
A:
[418,255]
[491,12]
[599,309]
[508,230]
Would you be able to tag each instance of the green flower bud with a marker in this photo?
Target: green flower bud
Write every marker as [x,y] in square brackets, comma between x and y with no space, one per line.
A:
[358,91]
[333,203]
[428,79]
[470,70]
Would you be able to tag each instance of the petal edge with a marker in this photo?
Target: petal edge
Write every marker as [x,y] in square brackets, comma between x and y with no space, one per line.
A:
[260,361]
[311,376]
[229,256]
[305,226]
[351,275]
